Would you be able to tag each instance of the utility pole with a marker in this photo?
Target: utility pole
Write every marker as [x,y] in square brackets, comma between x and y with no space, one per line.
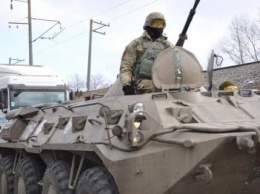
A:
[30,33]
[90,46]
[29,23]
[29,28]
[17,61]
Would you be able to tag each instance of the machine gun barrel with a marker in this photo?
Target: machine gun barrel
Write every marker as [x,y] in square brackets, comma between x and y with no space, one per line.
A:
[183,35]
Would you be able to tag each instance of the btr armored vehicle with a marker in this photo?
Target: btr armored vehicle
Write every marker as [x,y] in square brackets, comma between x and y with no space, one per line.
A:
[177,140]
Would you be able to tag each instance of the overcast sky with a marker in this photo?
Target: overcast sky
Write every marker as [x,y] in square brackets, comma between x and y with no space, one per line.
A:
[67,53]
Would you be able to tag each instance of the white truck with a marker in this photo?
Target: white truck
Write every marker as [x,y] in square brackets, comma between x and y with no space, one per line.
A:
[26,85]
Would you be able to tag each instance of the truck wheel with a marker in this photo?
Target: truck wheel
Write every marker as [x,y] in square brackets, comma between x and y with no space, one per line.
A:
[96,180]
[27,175]
[6,175]
[56,179]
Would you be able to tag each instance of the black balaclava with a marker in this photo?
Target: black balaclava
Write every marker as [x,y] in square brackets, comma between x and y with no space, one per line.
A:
[154,32]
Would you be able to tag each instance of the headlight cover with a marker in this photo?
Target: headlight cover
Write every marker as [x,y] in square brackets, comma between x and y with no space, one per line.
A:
[135,107]
[134,131]
[137,137]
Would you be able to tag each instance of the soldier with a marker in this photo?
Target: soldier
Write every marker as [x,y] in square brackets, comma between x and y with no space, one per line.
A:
[139,55]
[227,85]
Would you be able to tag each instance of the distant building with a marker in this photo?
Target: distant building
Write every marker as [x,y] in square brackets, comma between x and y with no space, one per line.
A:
[244,76]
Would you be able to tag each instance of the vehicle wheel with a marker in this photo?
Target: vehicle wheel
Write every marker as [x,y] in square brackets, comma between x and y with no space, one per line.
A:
[56,179]
[96,180]
[6,174]
[27,175]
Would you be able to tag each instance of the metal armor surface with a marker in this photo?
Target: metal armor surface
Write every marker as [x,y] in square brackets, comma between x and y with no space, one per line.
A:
[176,140]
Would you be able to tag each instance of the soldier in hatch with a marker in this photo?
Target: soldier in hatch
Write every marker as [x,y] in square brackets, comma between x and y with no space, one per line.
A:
[228,85]
[139,55]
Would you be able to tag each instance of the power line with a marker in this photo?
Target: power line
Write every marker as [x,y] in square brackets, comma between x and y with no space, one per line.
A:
[77,35]
[66,40]
[133,10]
[112,8]
[98,14]
[82,21]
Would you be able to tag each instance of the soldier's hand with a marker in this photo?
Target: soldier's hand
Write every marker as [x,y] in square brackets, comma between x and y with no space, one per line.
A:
[128,90]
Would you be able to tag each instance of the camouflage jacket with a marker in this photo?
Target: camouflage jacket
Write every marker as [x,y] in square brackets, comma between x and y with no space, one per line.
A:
[133,52]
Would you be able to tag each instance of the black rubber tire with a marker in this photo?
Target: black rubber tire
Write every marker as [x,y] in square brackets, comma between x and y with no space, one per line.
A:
[6,166]
[57,175]
[96,180]
[31,171]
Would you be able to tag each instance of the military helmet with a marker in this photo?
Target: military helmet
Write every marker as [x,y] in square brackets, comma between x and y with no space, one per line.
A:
[227,85]
[153,17]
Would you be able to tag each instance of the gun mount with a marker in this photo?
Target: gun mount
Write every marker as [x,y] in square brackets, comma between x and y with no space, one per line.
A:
[183,34]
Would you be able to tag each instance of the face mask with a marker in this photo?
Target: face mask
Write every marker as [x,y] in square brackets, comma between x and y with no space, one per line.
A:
[154,32]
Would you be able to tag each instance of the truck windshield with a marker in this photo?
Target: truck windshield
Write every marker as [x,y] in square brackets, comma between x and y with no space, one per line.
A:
[21,98]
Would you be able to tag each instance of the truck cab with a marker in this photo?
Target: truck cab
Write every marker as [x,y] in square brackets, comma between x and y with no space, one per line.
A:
[24,85]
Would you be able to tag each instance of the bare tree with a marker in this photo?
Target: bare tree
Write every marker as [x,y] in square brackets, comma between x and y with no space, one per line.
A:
[76,82]
[99,81]
[243,43]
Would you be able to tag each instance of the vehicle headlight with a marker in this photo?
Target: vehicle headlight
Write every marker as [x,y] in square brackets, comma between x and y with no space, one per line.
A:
[135,107]
[137,124]
[134,124]
[138,107]
[137,137]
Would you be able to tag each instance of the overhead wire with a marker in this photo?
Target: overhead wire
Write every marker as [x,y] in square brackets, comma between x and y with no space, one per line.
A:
[58,43]
[82,21]
[98,14]
[77,35]
[84,32]
[133,11]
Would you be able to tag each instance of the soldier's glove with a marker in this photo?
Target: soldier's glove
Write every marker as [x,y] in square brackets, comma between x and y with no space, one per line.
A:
[128,90]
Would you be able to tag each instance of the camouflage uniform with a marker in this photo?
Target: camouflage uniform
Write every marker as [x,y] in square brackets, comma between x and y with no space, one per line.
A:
[131,56]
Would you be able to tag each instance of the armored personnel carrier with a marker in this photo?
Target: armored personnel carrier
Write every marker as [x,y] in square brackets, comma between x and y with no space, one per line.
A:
[178,140]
